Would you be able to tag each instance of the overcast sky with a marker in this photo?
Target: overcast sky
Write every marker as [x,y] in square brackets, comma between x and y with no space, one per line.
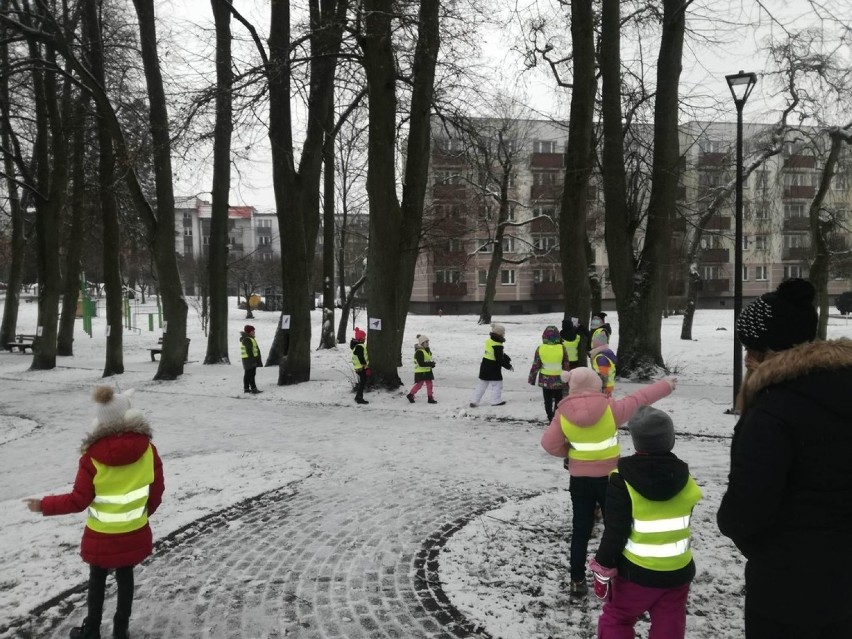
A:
[731,21]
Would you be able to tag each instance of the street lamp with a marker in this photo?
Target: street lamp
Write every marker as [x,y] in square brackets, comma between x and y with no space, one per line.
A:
[741,85]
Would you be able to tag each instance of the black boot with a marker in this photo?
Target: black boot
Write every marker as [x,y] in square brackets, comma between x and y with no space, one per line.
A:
[432,400]
[87,631]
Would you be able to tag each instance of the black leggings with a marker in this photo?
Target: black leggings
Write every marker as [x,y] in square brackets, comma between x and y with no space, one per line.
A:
[248,379]
[97,588]
[552,397]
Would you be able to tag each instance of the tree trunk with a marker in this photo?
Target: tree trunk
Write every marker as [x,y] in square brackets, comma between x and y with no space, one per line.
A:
[327,327]
[163,240]
[80,211]
[573,239]
[693,283]
[52,182]
[114,358]
[8,327]
[217,267]
[819,268]
[297,192]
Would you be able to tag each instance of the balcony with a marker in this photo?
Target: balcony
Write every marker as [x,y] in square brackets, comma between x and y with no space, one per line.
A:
[713,159]
[800,223]
[796,253]
[545,192]
[800,162]
[719,255]
[715,286]
[449,290]
[799,191]
[443,258]
[718,223]
[547,160]
[549,290]
[542,224]
[449,192]
[442,158]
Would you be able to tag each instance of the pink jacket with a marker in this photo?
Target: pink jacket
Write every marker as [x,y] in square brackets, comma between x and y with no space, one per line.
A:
[585,408]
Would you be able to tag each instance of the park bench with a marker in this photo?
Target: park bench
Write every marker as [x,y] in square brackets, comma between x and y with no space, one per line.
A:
[157,350]
[22,343]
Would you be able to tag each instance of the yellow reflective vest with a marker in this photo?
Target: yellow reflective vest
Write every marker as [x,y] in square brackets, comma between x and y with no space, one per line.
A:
[660,535]
[609,382]
[427,357]
[573,348]
[551,356]
[489,349]
[592,443]
[121,495]
[356,363]
[255,349]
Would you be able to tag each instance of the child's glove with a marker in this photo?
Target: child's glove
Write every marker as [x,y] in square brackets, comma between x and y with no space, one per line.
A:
[368,372]
[601,577]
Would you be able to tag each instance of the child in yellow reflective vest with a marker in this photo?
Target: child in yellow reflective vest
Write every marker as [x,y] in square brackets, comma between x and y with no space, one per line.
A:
[120,483]
[423,365]
[644,562]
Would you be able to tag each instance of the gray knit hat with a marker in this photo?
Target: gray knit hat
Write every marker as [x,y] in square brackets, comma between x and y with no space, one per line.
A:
[652,431]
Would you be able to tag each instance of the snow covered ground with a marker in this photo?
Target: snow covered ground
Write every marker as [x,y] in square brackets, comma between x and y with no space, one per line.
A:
[506,570]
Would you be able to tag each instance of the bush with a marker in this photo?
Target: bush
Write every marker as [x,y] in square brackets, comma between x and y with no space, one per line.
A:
[843,302]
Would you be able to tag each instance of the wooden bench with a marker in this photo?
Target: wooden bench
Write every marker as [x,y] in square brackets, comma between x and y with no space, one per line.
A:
[22,343]
[159,349]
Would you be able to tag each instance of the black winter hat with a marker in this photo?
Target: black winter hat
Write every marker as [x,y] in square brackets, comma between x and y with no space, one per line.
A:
[781,319]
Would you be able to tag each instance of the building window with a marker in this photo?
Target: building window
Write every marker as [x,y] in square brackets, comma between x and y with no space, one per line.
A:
[760,273]
[205,240]
[510,214]
[745,273]
[793,211]
[544,211]
[447,177]
[544,242]
[481,277]
[545,146]
[188,232]
[711,273]
[448,276]
[455,246]
[541,178]
[841,182]
[798,240]
[712,241]
[485,246]
[264,240]
[795,271]
[509,244]
[712,146]
[761,242]
[544,275]
[761,213]
[507,277]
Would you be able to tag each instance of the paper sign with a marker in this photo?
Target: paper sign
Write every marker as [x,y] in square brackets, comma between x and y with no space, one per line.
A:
[108,327]
[39,331]
[285,322]
[575,321]
[374,324]
[165,326]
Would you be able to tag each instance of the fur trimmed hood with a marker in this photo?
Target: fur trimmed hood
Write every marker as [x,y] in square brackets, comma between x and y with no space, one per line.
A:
[135,423]
[794,363]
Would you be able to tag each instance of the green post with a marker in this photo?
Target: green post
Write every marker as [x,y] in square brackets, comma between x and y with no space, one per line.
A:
[151,322]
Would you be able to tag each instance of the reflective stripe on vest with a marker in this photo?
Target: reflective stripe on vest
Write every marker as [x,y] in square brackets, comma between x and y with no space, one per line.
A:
[551,358]
[121,495]
[660,535]
[427,357]
[489,349]
[356,363]
[592,443]
[610,376]
[573,348]
[255,349]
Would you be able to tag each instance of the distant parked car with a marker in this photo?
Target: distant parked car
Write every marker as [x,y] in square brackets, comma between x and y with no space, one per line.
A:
[843,302]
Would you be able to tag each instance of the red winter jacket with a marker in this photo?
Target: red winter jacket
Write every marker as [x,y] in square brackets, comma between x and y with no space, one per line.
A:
[114,445]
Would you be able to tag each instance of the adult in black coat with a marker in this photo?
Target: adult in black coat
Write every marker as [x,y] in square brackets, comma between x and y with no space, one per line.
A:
[788,506]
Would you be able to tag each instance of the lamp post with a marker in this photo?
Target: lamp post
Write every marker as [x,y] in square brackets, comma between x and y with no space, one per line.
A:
[741,85]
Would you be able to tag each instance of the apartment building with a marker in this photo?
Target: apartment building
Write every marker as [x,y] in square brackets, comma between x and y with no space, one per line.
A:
[250,231]
[461,214]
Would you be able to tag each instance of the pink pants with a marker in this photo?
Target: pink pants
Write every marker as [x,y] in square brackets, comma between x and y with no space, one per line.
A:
[419,385]
[666,606]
